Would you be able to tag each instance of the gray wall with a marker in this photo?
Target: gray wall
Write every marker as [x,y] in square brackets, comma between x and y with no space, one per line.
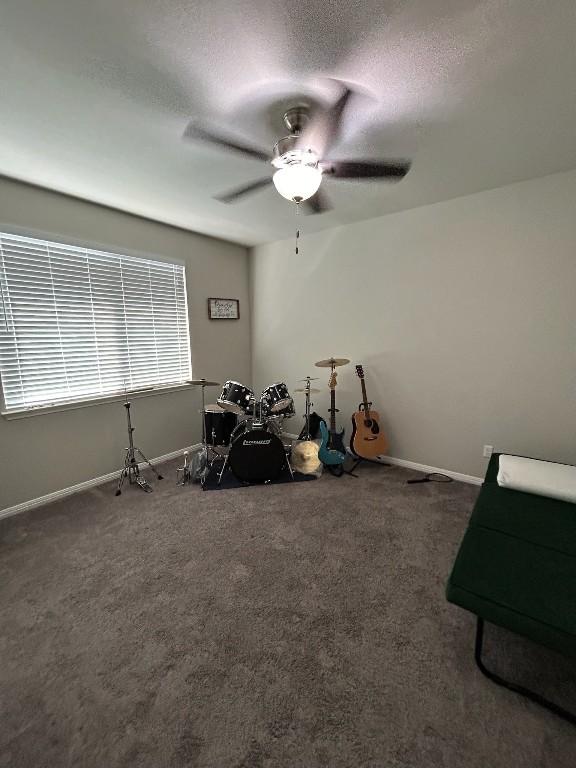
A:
[463,314]
[44,453]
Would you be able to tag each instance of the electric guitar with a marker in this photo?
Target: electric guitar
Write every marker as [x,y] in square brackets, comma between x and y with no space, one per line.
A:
[332,450]
[368,440]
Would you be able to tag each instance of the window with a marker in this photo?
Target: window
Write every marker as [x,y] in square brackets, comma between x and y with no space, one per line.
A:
[78,324]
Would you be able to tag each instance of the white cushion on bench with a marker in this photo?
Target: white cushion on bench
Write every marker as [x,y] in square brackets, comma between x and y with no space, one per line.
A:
[544,478]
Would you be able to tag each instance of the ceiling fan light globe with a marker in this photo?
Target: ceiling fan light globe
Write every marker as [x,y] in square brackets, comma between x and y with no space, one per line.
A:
[297,182]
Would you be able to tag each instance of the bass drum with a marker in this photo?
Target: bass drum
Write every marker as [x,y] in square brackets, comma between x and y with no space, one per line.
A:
[257,456]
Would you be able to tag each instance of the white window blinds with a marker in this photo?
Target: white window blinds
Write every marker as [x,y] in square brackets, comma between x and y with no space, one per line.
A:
[78,324]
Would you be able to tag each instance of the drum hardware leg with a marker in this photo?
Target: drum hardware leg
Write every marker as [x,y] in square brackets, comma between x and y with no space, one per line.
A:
[123,475]
[146,461]
[210,464]
[207,465]
[185,470]
[223,469]
[289,467]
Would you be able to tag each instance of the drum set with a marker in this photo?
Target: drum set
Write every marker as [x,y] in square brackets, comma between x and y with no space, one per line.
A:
[244,433]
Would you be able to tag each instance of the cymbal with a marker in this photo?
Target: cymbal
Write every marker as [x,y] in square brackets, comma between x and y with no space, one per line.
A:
[332,362]
[309,378]
[312,390]
[203,383]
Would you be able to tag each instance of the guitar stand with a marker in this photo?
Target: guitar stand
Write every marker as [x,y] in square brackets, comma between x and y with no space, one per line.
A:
[337,470]
[359,460]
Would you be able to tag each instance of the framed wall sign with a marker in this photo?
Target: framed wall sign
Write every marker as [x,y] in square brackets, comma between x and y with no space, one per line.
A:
[223,309]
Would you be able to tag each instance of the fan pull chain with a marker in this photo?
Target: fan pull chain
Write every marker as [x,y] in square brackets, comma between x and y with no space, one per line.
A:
[297,230]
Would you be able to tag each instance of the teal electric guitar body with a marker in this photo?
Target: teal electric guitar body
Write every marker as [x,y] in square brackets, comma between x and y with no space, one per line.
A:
[332,451]
[326,454]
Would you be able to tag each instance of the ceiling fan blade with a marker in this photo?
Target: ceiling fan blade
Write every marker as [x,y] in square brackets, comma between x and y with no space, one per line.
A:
[199,133]
[235,194]
[366,169]
[324,128]
[318,203]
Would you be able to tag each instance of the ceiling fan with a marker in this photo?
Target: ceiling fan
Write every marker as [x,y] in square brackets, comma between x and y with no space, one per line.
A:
[302,158]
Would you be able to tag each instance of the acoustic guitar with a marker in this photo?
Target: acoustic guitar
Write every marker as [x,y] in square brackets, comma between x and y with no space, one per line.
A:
[368,440]
[332,450]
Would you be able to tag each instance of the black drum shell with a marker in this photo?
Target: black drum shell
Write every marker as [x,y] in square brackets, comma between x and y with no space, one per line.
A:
[219,426]
[287,412]
[235,397]
[276,397]
[257,456]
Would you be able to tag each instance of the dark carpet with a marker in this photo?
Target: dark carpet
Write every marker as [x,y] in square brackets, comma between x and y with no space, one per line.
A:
[295,625]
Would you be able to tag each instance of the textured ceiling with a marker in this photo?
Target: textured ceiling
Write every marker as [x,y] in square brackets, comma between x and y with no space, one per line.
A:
[95,97]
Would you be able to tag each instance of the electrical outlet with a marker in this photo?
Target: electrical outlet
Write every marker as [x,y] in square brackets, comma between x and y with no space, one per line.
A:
[488,450]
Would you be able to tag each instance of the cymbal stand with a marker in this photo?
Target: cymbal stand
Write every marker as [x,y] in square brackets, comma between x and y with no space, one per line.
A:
[208,460]
[131,470]
[185,473]
[308,404]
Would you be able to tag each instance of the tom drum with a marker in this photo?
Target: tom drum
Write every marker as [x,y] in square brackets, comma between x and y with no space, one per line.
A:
[277,397]
[235,397]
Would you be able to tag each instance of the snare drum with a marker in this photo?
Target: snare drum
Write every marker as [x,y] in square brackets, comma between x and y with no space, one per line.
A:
[235,397]
[277,398]
[219,425]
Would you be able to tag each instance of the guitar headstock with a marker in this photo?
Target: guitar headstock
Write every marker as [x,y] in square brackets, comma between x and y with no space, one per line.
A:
[333,380]
[360,371]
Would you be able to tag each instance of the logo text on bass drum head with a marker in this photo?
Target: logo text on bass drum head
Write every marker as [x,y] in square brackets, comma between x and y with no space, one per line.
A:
[257,442]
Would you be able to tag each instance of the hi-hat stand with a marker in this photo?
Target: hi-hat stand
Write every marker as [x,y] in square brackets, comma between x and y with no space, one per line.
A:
[131,470]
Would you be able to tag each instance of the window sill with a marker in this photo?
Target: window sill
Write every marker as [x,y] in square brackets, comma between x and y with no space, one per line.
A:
[42,410]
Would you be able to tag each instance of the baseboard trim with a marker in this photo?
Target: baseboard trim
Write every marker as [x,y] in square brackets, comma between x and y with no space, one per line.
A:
[471,479]
[55,495]
[49,497]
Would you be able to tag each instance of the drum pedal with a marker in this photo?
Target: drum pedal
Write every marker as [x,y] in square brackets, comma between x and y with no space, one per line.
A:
[144,484]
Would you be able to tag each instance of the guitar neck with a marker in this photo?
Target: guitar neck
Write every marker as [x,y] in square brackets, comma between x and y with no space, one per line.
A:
[364,395]
[333,410]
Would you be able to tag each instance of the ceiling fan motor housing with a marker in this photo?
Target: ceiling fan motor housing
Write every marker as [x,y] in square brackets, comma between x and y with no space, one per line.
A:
[286,152]
[296,118]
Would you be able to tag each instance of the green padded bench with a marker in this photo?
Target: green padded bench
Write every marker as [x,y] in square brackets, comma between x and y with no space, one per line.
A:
[516,568]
